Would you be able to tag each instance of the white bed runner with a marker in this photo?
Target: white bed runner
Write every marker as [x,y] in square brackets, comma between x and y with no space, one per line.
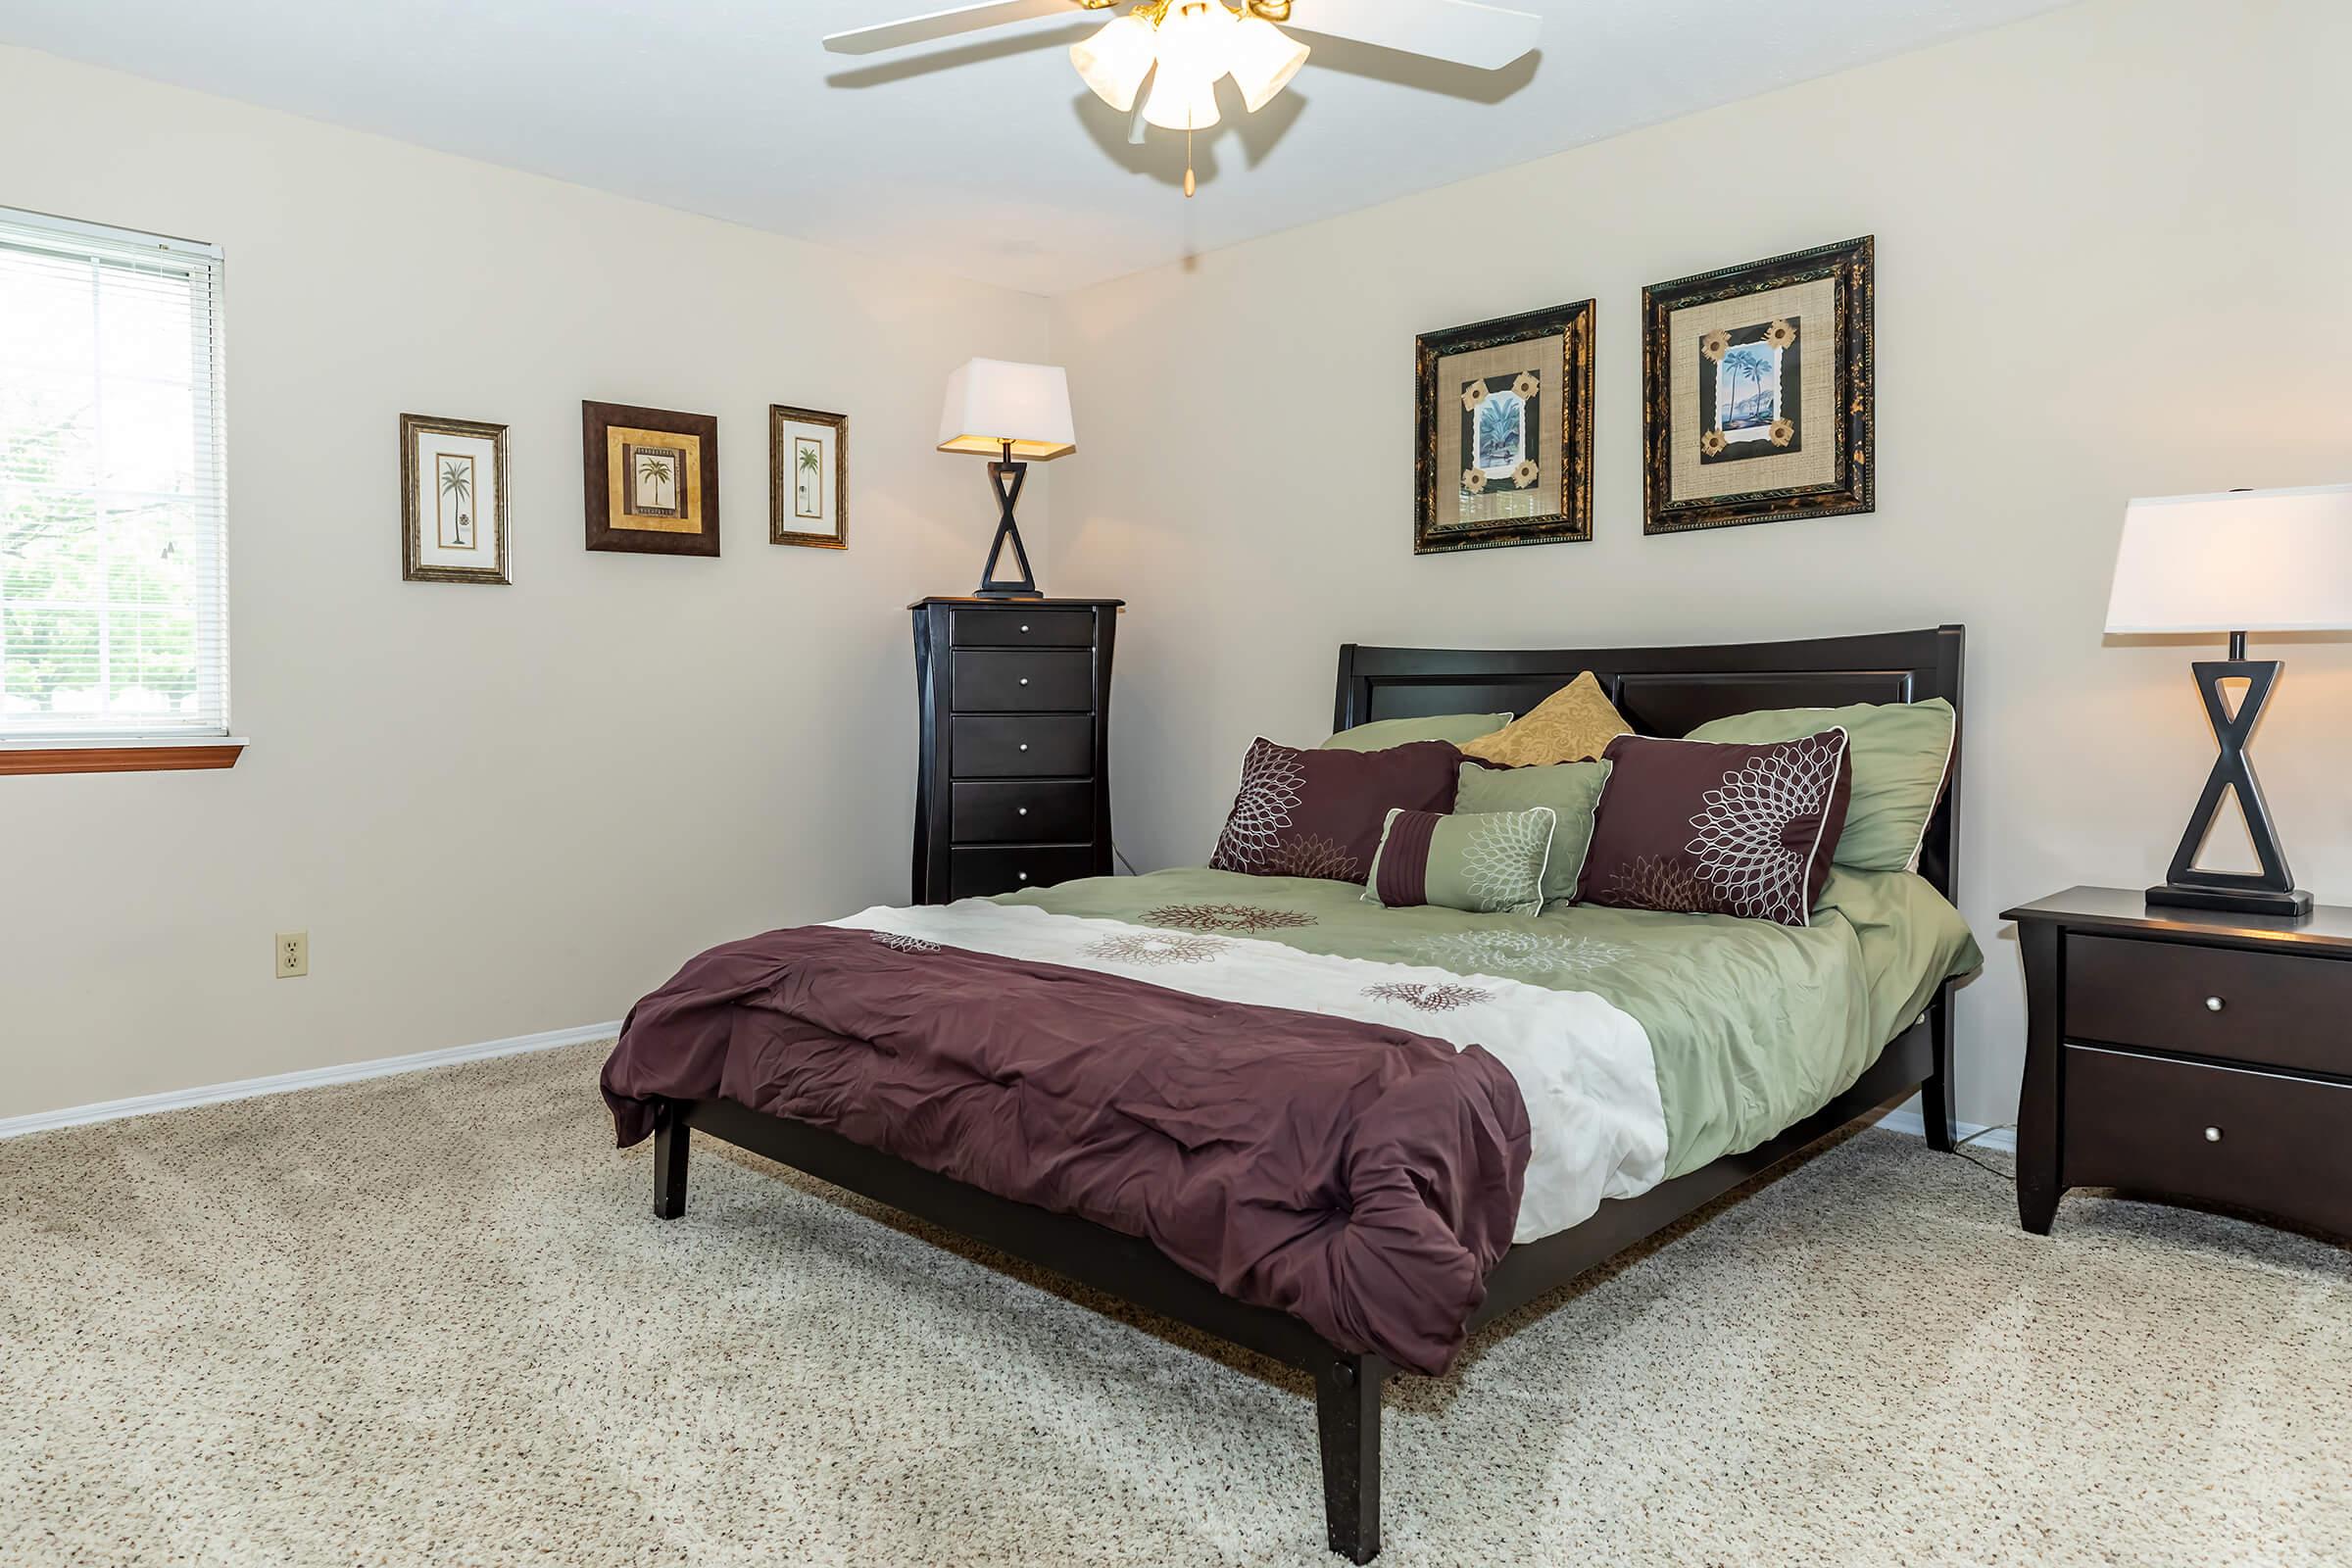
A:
[1584,1067]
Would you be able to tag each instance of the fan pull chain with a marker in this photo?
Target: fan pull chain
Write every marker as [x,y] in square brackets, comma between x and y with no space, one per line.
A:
[1187,157]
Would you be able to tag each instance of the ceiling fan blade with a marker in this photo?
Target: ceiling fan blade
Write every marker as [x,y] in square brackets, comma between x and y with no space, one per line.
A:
[1463,32]
[942,24]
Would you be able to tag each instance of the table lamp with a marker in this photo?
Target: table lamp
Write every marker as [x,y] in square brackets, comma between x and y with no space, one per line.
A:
[1008,410]
[2238,561]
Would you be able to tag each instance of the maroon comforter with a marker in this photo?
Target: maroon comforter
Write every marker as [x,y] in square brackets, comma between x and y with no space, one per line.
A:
[1361,1177]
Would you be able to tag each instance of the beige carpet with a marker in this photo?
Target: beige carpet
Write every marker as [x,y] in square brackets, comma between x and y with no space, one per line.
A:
[430,1320]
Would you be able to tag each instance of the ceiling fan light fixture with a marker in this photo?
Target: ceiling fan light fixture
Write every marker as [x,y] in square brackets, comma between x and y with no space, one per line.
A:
[1264,60]
[1115,59]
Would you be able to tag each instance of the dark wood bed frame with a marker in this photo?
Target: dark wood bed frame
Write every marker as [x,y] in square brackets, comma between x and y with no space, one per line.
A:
[1660,691]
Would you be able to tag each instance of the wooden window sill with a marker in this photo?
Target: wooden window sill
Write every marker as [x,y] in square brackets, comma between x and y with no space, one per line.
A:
[99,757]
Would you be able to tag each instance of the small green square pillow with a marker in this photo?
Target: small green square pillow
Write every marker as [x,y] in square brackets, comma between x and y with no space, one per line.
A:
[1489,863]
[1383,733]
[1901,753]
[1571,789]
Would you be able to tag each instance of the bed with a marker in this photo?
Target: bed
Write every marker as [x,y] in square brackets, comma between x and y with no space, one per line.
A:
[1334,1134]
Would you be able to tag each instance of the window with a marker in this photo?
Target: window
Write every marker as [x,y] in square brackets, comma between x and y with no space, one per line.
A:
[113,586]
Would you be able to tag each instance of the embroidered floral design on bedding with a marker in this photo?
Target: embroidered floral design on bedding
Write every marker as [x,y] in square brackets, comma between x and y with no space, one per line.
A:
[1226,918]
[1428,999]
[904,944]
[1272,785]
[1311,854]
[1522,953]
[1159,947]
[1504,862]
[1742,844]
[1652,883]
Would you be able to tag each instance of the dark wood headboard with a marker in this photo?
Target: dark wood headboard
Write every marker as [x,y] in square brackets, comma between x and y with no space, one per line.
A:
[1671,691]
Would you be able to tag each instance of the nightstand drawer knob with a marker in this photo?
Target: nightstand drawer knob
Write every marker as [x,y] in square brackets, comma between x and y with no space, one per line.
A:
[2213,1004]
[1024,680]
[1021,876]
[1024,628]
[1023,811]
[1024,745]
[2213,1135]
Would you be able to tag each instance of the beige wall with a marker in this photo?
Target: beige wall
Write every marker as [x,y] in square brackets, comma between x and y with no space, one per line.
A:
[2114,258]
[496,811]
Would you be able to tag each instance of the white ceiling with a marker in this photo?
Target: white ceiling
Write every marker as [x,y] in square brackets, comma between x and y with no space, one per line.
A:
[985,154]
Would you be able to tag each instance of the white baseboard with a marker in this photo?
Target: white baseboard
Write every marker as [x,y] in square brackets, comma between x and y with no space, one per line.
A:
[309,1078]
[1905,1118]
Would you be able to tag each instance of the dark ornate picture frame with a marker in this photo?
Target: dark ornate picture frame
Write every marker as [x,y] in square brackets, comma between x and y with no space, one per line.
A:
[1848,266]
[414,566]
[596,419]
[782,476]
[1572,420]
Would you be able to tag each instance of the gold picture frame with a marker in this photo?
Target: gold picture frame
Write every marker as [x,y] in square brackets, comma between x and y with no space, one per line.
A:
[450,470]
[649,478]
[1502,434]
[807,486]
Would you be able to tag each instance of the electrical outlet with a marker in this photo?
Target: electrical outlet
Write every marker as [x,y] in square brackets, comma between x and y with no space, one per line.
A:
[293,953]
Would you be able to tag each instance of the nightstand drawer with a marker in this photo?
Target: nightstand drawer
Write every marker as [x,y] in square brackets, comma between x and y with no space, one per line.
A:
[1021,628]
[2271,1009]
[1021,814]
[1049,746]
[981,873]
[1013,681]
[2260,1140]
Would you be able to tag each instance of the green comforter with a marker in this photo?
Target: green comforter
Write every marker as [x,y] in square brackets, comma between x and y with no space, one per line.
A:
[1754,1026]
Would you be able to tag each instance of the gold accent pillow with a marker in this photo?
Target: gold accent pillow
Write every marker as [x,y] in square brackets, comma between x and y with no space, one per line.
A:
[1574,725]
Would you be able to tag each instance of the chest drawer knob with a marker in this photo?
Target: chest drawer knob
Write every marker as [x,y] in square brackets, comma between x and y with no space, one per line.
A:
[1024,745]
[2213,1135]
[1023,809]
[1021,876]
[2213,1004]
[1024,680]
[1025,631]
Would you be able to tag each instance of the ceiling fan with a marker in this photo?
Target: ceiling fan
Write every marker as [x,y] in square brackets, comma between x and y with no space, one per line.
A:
[1184,47]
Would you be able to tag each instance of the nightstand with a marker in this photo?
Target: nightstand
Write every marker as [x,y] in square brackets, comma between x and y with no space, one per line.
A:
[2183,1053]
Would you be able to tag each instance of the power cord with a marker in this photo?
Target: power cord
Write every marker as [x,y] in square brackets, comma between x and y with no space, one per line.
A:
[1960,1146]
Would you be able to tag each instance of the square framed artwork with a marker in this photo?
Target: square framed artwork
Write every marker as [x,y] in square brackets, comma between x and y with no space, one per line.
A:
[453,500]
[807,477]
[651,477]
[1502,433]
[1757,397]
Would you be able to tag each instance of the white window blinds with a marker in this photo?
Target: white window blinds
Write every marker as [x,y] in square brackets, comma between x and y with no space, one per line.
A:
[114,585]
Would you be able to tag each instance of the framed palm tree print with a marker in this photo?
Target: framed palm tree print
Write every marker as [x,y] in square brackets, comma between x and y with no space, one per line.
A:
[1757,396]
[453,500]
[807,477]
[1503,439]
[650,480]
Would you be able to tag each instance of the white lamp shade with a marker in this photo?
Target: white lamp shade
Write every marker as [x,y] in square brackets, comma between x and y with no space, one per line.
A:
[992,402]
[1194,49]
[1264,60]
[2242,560]
[1116,59]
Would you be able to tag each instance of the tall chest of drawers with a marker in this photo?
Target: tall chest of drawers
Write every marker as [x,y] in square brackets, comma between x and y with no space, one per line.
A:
[1013,783]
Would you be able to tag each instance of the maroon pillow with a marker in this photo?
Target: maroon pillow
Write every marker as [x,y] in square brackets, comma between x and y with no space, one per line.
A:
[1319,812]
[1709,827]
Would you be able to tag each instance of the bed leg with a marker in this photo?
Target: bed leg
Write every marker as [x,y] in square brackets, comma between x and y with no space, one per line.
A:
[669,1165]
[1935,1094]
[1348,1420]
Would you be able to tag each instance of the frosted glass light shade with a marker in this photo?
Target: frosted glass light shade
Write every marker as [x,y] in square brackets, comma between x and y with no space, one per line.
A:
[2242,560]
[1264,60]
[1178,102]
[991,402]
[1115,59]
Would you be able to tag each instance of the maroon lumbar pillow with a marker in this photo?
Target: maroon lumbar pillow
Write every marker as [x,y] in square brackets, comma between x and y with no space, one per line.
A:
[1319,814]
[1713,828]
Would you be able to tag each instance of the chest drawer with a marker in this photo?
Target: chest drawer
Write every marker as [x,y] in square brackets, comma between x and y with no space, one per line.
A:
[2259,1140]
[1048,746]
[1021,814]
[1018,681]
[982,873]
[2271,1009]
[1021,628]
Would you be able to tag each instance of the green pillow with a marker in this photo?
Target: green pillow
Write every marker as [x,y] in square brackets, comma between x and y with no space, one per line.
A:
[1901,753]
[1489,863]
[1570,789]
[1383,733]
